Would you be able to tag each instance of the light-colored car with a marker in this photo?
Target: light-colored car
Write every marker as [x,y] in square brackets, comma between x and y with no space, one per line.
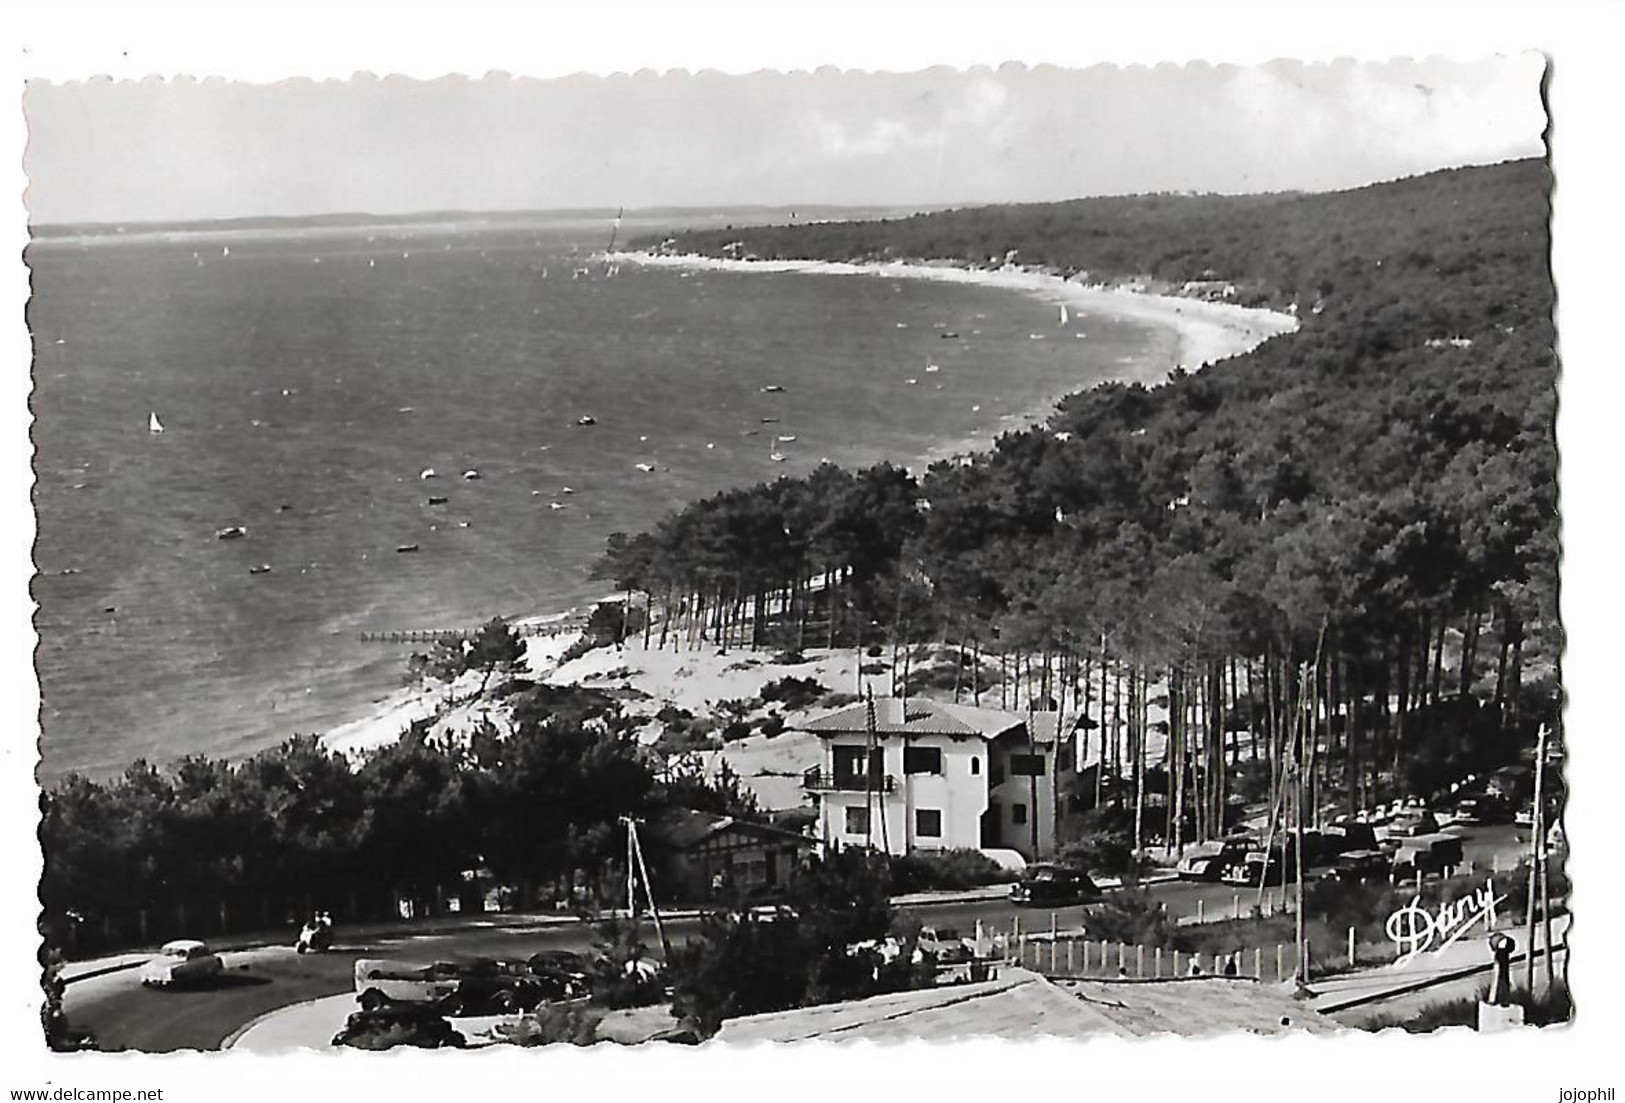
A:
[183,961]
[946,945]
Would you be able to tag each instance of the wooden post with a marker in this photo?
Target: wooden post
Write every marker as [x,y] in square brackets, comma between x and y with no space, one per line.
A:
[1054,926]
[1495,863]
[1139,961]
[1122,950]
[1235,906]
[1054,949]
[1351,947]
[1258,963]
[1071,948]
[1086,955]
[1156,963]
[1199,910]
[1176,963]
[1280,961]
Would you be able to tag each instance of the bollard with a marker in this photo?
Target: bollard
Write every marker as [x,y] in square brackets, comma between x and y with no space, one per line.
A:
[1235,906]
[1258,963]
[1156,962]
[1351,947]
[1198,909]
[1139,961]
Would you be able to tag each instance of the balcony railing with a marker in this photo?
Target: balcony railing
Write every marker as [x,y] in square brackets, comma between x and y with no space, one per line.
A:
[822,781]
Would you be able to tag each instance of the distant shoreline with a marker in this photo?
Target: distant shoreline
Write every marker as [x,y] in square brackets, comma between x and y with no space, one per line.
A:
[1206,331]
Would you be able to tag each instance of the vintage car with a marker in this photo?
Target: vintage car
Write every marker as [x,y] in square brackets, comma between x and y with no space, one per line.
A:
[1360,865]
[1207,861]
[1409,824]
[1048,883]
[379,982]
[1342,838]
[1426,855]
[565,974]
[945,946]
[1253,869]
[183,961]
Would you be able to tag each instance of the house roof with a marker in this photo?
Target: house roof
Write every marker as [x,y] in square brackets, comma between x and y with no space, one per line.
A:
[683,828]
[923,716]
[915,716]
[1021,1004]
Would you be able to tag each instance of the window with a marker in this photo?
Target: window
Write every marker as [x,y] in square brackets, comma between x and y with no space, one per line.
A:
[1018,813]
[975,766]
[922,760]
[928,823]
[849,765]
[857,820]
[1027,765]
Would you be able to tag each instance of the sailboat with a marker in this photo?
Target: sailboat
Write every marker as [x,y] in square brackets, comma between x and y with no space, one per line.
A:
[225,250]
[1063,314]
[153,424]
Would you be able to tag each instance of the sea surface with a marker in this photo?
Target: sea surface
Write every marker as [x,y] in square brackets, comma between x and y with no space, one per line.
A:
[305,380]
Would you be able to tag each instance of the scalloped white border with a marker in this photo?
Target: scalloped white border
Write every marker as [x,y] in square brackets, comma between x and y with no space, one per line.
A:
[265,42]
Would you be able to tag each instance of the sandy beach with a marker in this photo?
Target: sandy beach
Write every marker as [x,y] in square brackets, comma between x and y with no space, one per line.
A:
[1206,332]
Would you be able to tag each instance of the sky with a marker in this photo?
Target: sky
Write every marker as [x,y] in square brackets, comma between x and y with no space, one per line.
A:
[114,151]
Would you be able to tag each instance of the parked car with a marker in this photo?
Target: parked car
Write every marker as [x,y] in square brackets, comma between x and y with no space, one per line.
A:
[945,945]
[1411,823]
[1048,883]
[1342,838]
[1427,855]
[488,986]
[379,982]
[1207,861]
[1253,869]
[181,962]
[1482,809]
[1361,865]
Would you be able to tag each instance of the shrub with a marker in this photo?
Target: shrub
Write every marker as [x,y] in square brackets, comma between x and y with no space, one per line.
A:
[873,668]
[794,693]
[924,871]
[771,725]
[574,1023]
[841,700]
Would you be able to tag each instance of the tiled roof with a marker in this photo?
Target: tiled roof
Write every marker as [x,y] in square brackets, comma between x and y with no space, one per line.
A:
[920,717]
[1021,1004]
[681,828]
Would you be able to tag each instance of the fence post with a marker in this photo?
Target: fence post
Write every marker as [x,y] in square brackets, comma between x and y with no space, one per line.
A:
[1054,951]
[1495,863]
[1280,961]
[1086,955]
[1156,962]
[1351,947]
[1071,948]
[1176,963]
[1139,961]
[1419,882]
[1053,927]
[1122,952]
[1198,909]
[1235,906]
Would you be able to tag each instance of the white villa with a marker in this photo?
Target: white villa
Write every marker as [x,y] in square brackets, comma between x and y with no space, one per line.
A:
[934,776]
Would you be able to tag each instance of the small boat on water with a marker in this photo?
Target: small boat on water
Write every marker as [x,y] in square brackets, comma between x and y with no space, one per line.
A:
[913,382]
[471,474]
[405,549]
[586,419]
[777,457]
[770,421]
[230,532]
[438,499]
[555,505]
[772,388]
[644,467]
[153,424]
[428,473]
[567,490]
[261,568]
[787,438]
[950,335]
[1065,318]
[931,369]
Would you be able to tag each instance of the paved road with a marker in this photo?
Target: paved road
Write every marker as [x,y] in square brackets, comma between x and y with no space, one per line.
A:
[123,1015]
